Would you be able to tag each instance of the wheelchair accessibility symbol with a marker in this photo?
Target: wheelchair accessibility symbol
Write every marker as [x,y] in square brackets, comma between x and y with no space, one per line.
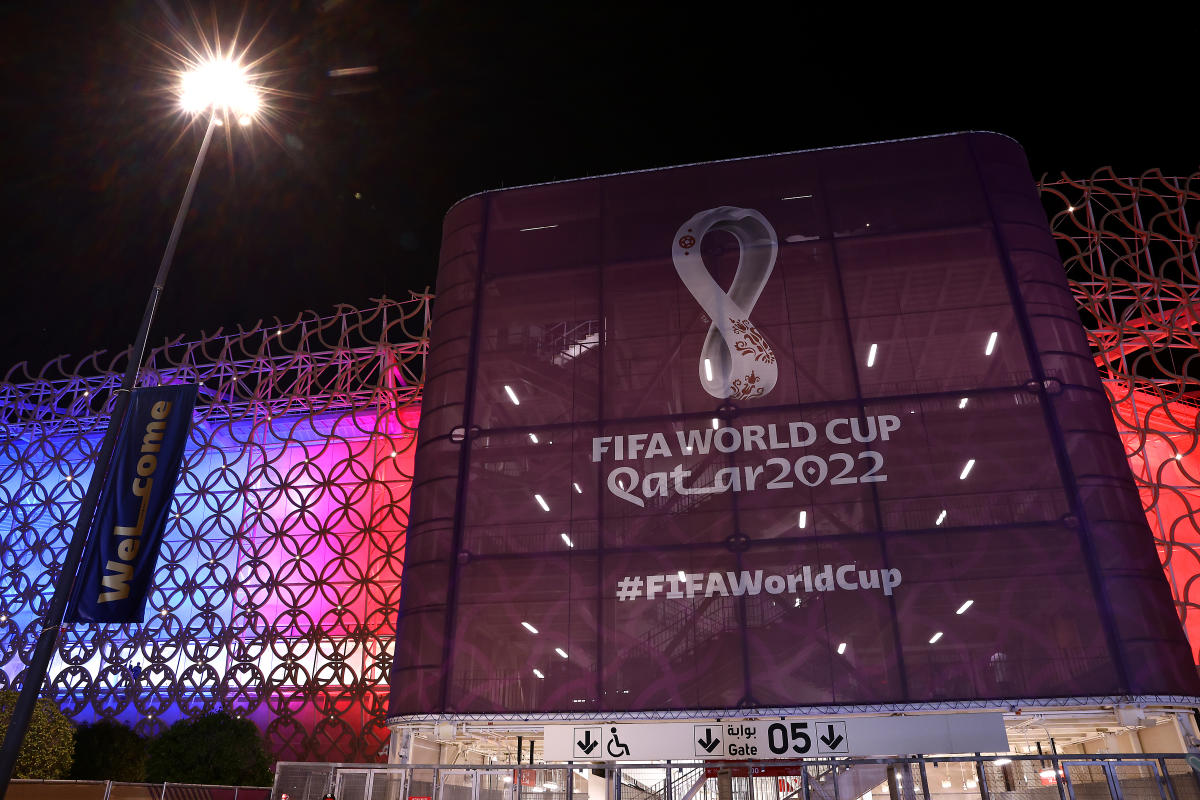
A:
[621,750]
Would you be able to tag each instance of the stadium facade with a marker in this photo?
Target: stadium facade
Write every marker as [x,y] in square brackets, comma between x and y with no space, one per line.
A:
[911,497]
[278,588]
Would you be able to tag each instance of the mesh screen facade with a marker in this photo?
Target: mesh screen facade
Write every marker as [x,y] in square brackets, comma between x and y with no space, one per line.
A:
[748,434]
[279,579]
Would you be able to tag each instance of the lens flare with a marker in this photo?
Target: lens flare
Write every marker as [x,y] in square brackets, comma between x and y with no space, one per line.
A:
[220,85]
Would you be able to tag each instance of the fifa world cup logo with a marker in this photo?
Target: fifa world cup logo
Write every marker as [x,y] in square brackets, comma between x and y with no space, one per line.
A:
[736,360]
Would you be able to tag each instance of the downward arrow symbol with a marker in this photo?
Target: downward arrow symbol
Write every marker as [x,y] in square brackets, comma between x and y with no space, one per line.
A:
[832,739]
[588,744]
[709,743]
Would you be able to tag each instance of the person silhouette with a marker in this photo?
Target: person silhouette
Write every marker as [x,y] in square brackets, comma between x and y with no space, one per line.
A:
[623,749]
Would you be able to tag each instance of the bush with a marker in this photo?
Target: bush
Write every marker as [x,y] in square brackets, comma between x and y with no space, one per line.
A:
[216,748]
[49,740]
[108,750]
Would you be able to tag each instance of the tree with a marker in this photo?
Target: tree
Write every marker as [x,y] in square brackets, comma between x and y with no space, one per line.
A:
[49,740]
[108,750]
[216,748]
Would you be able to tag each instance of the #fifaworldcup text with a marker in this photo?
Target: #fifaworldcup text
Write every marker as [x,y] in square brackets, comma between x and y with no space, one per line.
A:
[826,578]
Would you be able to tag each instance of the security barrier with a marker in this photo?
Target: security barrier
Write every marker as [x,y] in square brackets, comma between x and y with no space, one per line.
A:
[119,790]
[1040,777]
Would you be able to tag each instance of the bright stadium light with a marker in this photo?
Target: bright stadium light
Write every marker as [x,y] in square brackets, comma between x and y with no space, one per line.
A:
[220,85]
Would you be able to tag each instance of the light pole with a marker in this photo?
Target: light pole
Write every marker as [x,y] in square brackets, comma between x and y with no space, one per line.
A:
[224,90]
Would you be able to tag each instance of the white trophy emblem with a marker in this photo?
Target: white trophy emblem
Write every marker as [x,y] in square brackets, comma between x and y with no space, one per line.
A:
[736,360]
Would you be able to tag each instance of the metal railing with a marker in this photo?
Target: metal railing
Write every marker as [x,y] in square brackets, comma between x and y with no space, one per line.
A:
[1158,776]
[120,790]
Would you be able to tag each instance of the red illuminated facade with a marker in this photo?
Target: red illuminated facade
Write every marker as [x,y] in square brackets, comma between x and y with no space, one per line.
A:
[1130,250]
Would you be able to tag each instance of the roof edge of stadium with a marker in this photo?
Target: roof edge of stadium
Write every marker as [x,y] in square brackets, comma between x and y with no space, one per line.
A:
[827,148]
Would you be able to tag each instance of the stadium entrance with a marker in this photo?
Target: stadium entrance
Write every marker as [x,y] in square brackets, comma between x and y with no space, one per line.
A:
[1150,776]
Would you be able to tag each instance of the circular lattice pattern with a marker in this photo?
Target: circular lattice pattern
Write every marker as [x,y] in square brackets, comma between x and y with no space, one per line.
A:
[1130,249]
[278,581]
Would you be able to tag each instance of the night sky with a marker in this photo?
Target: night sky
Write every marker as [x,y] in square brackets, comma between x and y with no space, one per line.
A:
[338,195]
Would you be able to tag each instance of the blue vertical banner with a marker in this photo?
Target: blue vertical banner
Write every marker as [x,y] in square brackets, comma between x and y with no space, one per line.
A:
[127,530]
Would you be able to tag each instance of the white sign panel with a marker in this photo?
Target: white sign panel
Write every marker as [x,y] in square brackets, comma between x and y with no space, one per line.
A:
[792,737]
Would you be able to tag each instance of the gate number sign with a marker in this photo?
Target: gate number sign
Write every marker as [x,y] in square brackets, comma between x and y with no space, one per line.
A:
[789,737]
[782,739]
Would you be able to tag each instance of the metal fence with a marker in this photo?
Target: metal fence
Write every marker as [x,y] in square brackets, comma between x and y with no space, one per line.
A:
[1050,777]
[119,790]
